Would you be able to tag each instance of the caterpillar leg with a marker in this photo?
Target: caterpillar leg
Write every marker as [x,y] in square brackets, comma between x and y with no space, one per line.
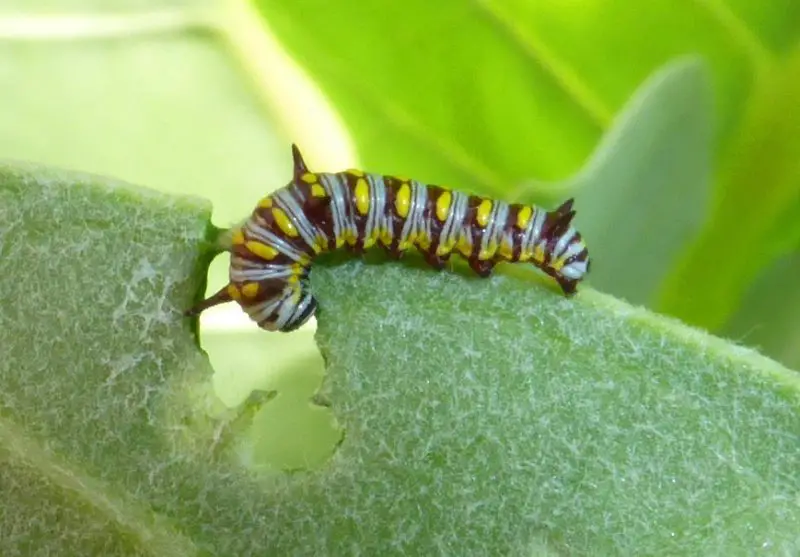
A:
[435,261]
[221,297]
[482,268]
[393,250]
[355,249]
[394,253]
[568,286]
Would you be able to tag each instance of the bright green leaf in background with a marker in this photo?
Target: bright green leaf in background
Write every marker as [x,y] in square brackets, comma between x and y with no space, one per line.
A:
[491,94]
[480,416]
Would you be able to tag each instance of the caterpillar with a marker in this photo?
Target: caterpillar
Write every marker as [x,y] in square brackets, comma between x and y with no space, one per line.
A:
[315,213]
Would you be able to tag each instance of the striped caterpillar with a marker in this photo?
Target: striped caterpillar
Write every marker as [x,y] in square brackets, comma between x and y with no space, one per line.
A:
[271,253]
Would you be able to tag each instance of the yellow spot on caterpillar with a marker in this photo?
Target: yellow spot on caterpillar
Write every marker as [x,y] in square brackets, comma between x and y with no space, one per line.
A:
[351,236]
[369,242]
[445,248]
[238,237]
[286,226]
[320,244]
[362,196]
[524,217]
[423,241]
[538,254]
[309,177]
[403,200]
[340,240]
[406,242]
[296,273]
[250,290]
[265,203]
[506,248]
[264,251]
[318,191]
[488,252]
[557,264]
[464,246]
[443,206]
[234,293]
[386,237]
[356,172]
[484,210]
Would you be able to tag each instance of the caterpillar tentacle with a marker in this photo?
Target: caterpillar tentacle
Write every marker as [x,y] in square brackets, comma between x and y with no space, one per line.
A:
[221,297]
[316,213]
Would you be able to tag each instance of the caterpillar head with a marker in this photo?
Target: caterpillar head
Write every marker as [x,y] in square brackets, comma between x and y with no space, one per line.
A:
[568,258]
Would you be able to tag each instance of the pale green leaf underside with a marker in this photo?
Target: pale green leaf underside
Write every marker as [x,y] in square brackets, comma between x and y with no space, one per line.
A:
[643,195]
[480,415]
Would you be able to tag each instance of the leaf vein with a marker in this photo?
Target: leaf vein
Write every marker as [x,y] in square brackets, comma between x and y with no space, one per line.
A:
[151,530]
[562,74]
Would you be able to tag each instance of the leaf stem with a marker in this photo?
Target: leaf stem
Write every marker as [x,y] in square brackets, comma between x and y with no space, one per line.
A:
[246,32]
[77,27]
[757,53]
[291,97]
[565,77]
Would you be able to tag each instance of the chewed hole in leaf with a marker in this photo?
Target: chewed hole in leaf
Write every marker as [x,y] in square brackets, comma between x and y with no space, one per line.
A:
[289,430]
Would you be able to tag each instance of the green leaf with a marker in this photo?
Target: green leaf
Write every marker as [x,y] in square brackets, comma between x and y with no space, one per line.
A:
[767,27]
[96,356]
[479,415]
[755,221]
[508,91]
[474,111]
[522,92]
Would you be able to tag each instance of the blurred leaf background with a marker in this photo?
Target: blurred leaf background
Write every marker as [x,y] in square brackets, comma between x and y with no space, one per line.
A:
[675,125]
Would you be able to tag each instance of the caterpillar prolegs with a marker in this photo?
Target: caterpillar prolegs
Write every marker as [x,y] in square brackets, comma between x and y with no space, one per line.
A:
[315,213]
